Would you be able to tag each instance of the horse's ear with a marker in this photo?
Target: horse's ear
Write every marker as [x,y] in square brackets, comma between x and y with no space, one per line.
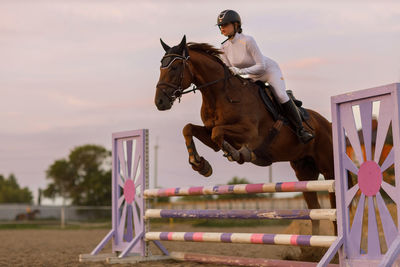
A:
[183,42]
[183,47]
[165,46]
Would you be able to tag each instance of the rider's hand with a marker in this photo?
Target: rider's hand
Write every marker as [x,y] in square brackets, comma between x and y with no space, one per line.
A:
[235,71]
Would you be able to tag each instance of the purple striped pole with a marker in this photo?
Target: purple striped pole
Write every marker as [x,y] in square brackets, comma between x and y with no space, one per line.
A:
[314,214]
[244,238]
[304,186]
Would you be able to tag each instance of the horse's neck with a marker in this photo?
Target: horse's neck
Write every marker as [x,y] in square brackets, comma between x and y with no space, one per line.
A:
[206,71]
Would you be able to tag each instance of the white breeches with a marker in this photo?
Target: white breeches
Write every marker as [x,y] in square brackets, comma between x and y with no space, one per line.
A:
[275,78]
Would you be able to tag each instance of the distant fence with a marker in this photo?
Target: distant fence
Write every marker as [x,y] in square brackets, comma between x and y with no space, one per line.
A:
[9,212]
[240,203]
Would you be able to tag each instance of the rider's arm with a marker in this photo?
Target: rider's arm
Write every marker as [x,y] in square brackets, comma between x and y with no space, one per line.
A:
[254,51]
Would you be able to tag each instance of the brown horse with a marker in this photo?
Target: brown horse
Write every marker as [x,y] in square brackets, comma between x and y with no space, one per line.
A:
[236,120]
[29,215]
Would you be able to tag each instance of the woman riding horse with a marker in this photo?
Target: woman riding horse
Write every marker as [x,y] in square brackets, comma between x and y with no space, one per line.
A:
[236,121]
[243,57]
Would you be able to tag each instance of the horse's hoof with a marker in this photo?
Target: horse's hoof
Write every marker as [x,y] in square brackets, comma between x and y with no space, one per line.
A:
[245,154]
[228,156]
[207,171]
[204,168]
[230,151]
[236,156]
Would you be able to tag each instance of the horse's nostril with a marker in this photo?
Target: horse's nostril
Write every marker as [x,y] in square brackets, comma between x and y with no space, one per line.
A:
[160,101]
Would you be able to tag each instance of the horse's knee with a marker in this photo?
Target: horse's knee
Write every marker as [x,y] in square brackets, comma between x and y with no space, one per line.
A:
[187,130]
[217,136]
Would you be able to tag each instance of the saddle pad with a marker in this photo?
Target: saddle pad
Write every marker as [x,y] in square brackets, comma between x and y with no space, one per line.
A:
[269,104]
[272,105]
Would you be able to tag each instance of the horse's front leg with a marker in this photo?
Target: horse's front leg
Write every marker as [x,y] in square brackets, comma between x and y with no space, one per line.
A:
[204,135]
[240,154]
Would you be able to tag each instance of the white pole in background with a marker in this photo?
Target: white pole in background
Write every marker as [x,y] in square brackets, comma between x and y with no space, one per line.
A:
[62,216]
[156,164]
[63,211]
[270,177]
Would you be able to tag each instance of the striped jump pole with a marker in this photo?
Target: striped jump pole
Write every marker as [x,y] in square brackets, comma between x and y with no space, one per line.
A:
[313,214]
[244,238]
[304,186]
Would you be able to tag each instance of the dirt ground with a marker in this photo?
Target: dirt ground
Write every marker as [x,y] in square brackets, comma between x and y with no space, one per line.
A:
[62,247]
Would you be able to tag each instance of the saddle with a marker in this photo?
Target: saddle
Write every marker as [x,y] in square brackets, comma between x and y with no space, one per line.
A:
[273,106]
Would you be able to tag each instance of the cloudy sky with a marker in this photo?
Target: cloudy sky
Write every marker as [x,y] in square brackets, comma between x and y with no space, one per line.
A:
[73,72]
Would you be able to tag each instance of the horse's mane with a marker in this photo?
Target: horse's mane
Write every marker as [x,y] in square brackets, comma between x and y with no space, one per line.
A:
[207,49]
[213,53]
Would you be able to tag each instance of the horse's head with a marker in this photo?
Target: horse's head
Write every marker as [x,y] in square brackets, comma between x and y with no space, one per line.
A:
[175,75]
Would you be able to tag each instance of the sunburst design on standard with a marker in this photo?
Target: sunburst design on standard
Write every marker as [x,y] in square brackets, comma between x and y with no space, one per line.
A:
[129,205]
[369,177]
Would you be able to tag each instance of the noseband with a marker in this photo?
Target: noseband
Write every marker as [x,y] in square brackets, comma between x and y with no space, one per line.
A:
[166,62]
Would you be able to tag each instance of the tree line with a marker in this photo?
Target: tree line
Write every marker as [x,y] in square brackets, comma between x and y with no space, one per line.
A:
[11,192]
[82,178]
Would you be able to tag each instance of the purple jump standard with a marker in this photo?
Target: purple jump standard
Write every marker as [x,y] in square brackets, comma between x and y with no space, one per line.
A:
[244,238]
[304,186]
[313,214]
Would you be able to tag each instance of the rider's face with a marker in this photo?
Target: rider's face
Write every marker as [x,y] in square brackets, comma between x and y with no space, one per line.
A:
[227,29]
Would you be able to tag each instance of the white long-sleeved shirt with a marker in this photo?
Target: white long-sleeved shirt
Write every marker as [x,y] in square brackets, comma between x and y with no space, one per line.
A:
[242,52]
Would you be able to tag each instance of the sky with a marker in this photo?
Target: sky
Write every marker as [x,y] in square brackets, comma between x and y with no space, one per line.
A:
[74,72]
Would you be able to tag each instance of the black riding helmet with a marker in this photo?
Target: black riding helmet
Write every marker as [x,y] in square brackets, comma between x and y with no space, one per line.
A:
[228,16]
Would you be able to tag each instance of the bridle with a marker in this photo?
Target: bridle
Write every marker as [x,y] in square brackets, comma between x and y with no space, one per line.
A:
[166,62]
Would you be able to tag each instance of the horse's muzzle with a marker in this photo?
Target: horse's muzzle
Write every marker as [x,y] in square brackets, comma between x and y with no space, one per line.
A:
[163,103]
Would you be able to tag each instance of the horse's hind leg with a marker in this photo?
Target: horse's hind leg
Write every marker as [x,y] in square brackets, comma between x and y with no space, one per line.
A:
[332,197]
[325,164]
[312,203]
[305,170]
[200,132]
[241,153]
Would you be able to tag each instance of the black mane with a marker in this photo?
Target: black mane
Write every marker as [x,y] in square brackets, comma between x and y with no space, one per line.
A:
[207,49]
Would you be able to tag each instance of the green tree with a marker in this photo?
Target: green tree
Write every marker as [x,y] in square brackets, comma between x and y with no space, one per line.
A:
[237,180]
[10,191]
[84,178]
[61,172]
[197,198]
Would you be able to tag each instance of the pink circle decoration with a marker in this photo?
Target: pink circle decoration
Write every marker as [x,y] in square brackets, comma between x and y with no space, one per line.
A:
[129,191]
[369,178]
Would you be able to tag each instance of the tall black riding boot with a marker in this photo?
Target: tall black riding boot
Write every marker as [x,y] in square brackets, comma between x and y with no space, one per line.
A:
[294,117]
